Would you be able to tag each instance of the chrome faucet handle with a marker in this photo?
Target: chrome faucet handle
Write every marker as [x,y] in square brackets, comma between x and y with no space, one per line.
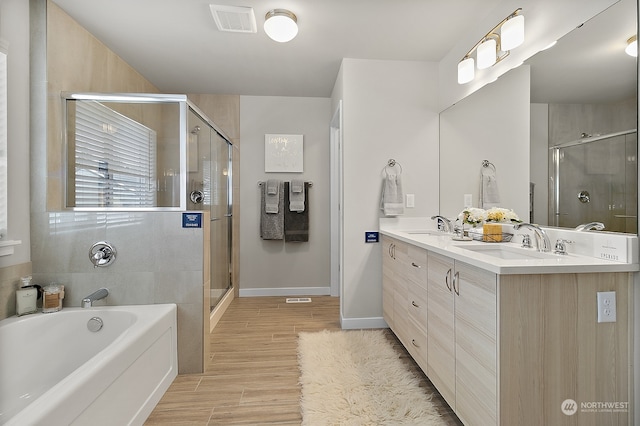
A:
[102,254]
[526,241]
[561,246]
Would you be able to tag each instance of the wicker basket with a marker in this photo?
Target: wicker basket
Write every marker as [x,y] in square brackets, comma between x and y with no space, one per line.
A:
[503,237]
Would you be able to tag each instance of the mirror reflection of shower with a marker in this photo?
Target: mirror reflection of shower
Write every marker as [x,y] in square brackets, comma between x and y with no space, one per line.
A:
[595,179]
[197,185]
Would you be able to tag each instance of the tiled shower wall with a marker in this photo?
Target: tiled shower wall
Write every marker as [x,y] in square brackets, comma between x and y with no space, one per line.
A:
[158,261]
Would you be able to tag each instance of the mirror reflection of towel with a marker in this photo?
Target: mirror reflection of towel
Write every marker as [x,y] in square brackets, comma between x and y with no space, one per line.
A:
[489,190]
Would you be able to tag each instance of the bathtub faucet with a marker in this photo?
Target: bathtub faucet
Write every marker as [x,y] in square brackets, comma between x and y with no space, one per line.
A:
[87,302]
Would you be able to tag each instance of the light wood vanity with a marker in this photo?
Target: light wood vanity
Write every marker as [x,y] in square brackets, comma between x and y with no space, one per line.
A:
[509,348]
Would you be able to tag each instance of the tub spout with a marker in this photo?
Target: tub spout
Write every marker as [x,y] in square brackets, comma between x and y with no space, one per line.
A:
[87,302]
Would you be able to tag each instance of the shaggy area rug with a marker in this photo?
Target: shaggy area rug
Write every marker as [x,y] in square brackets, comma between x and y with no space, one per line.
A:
[356,378]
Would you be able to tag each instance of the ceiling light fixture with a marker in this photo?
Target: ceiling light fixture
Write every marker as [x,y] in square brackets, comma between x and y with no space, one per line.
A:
[281,25]
[494,46]
[632,46]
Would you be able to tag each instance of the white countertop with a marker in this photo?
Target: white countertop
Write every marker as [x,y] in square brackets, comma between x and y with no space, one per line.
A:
[549,263]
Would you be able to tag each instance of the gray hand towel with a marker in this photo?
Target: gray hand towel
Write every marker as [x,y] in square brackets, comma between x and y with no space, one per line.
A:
[296,195]
[272,224]
[271,195]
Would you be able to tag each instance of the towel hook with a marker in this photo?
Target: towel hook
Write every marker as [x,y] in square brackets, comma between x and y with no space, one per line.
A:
[487,163]
[392,163]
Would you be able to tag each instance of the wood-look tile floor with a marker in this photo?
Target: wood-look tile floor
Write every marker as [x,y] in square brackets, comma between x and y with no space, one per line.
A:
[252,374]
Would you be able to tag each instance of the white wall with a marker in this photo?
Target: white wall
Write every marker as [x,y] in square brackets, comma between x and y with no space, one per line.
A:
[490,124]
[14,32]
[539,162]
[389,111]
[275,267]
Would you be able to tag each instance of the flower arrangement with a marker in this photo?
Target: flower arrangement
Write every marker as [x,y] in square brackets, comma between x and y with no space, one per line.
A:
[500,215]
[475,216]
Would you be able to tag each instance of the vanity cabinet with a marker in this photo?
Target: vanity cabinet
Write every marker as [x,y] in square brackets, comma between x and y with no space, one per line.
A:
[404,301]
[462,361]
[509,349]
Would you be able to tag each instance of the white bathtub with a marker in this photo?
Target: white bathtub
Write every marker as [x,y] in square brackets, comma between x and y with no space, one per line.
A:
[54,371]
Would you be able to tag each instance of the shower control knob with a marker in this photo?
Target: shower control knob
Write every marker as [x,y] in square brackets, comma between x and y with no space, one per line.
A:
[197,197]
[584,196]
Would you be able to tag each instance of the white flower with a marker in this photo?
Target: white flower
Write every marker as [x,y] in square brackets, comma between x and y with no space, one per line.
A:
[498,214]
[473,216]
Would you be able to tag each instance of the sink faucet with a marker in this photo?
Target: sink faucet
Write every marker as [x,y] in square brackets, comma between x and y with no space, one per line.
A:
[444,224]
[597,226]
[87,302]
[542,240]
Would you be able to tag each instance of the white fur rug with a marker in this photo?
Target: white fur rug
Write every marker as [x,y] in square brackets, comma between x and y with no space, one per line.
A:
[356,378]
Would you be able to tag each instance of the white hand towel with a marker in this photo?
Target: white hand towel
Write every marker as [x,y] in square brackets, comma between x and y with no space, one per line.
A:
[392,198]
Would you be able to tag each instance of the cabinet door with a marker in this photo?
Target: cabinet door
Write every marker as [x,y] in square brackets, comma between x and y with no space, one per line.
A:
[441,357]
[388,279]
[476,345]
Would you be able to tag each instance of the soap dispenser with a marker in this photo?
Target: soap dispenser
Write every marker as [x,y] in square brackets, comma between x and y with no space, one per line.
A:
[26,297]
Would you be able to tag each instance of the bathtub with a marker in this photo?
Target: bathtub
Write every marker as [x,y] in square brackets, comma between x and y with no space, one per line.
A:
[55,371]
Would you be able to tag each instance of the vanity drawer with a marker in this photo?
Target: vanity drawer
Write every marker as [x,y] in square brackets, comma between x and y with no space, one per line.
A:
[416,343]
[417,306]
[416,269]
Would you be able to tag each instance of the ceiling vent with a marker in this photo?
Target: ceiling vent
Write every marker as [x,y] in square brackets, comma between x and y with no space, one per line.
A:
[235,19]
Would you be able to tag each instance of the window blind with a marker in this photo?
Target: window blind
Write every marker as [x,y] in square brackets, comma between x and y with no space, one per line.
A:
[115,159]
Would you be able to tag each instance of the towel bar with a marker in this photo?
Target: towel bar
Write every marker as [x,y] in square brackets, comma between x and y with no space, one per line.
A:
[261,182]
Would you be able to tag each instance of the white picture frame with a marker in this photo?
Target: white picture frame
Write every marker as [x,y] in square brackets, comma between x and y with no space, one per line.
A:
[283,153]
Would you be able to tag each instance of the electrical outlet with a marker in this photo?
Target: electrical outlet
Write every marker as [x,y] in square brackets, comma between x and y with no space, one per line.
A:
[606,306]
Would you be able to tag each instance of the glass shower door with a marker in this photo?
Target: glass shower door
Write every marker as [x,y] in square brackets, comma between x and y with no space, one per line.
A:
[220,218]
[208,187]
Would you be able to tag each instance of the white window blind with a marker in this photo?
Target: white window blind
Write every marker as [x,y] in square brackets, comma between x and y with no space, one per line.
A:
[3,145]
[115,159]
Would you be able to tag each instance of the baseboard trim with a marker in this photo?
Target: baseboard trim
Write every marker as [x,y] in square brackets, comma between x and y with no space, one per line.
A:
[287,291]
[362,323]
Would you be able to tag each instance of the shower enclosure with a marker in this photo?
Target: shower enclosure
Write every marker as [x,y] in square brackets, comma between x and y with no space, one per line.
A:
[209,188]
[149,152]
[595,179]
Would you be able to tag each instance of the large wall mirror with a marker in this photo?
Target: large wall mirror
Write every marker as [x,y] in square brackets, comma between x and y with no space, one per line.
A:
[582,90]
[584,121]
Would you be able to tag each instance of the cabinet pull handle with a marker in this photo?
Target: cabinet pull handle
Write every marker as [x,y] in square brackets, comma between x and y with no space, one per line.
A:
[415,304]
[456,283]
[413,342]
[447,279]
[415,265]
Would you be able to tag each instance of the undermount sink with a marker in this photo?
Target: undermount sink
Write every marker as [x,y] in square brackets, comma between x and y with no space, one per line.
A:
[426,232]
[508,252]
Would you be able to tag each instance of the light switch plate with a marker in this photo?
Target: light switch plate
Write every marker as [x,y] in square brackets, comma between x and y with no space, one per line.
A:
[411,200]
[468,200]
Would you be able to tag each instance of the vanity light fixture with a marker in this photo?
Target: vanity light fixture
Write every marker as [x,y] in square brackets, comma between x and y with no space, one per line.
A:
[281,25]
[493,47]
[632,46]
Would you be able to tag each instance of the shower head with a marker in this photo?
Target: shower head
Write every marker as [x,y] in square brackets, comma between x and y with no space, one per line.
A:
[195,130]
